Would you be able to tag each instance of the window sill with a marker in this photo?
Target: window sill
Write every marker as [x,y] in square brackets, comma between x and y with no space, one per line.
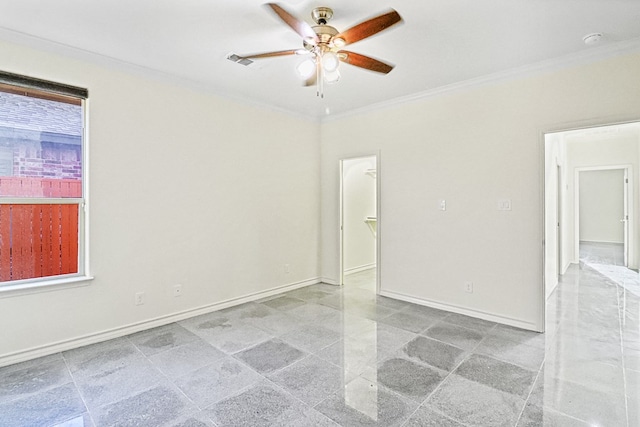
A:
[44,285]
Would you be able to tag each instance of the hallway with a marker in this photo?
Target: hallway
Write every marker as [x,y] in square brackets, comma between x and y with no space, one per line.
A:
[592,359]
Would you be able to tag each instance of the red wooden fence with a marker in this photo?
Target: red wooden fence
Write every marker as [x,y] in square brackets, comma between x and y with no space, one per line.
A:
[39,187]
[38,240]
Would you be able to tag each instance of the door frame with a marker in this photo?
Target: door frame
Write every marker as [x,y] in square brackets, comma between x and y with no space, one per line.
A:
[544,134]
[378,239]
[628,200]
[559,213]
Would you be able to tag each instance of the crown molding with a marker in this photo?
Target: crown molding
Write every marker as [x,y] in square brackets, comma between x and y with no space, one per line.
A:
[115,64]
[572,60]
[587,56]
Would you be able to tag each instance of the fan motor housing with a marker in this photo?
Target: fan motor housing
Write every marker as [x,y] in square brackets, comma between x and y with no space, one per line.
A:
[325,35]
[325,32]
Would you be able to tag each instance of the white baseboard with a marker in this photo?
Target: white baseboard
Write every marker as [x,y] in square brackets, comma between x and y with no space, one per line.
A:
[360,268]
[329,281]
[45,350]
[518,323]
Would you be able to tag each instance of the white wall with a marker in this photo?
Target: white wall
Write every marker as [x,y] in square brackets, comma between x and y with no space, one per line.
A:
[471,148]
[359,202]
[185,187]
[190,200]
[596,151]
[601,206]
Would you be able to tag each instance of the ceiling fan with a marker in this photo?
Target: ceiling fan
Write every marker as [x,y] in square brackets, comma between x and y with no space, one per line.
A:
[324,44]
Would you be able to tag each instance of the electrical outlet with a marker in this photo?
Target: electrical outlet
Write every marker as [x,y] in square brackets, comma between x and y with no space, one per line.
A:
[468,287]
[139,298]
[504,205]
[177,290]
[287,269]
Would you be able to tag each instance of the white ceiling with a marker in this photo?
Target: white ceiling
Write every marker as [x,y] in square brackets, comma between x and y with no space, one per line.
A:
[440,43]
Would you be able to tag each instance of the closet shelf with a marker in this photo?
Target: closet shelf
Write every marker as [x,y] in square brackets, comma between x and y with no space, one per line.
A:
[372,222]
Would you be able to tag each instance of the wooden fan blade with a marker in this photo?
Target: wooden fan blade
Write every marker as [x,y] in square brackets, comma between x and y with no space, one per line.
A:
[272,54]
[302,28]
[369,28]
[363,61]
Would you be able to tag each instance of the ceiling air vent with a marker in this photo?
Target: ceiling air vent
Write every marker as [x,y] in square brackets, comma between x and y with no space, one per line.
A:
[239,60]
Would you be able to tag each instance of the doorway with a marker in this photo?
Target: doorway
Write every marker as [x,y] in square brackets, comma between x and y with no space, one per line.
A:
[602,217]
[591,196]
[359,222]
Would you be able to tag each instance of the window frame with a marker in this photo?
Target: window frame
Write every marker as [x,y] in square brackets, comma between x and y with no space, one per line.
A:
[60,93]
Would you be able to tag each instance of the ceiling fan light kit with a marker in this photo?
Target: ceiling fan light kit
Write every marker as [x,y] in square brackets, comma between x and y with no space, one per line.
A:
[324,43]
[307,68]
[330,61]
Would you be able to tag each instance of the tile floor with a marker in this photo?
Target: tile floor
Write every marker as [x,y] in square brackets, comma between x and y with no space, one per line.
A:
[602,253]
[325,356]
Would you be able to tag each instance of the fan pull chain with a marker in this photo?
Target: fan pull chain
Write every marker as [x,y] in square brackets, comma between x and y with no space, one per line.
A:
[319,77]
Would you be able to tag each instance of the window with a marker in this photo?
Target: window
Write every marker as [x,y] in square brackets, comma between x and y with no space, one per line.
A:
[42,189]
